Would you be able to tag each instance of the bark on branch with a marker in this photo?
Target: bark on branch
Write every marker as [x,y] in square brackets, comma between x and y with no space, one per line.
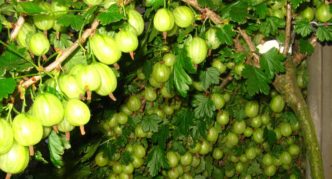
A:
[67,52]
[287,86]
[19,23]
[215,18]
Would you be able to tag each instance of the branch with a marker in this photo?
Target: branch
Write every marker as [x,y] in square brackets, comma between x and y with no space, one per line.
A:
[67,52]
[250,44]
[17,28]
[214,17]
[286,85]
[288,29]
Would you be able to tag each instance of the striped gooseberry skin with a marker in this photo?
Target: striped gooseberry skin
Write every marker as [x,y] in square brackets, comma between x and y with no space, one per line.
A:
[6,136]
[105,49]
[135,19]
[27,129]
[70,87]
[15,160]
[39,44]
[126,40]
[197,50]
[77,113]
[183,16]
[48,109]
[107,77]
[211,38]
[163,20]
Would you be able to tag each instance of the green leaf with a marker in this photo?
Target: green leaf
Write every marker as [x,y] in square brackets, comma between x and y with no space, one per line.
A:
[209,77]
[74,21]
[179,147]
[7,87]
[324,33]
[76,58]
[13,59]
[239,11]
[56,149]
[150,123]
[90,150]
[113,14]
[225,34]
[156,160]
[272,63]
[156,3]
[303,28]
[31,8]
[212,4]
[204,106]
[39,157]
[62,43]
[180,77]
[183,120]
[296,3]
[161,136]
[271,26]
[270,136]
[306,47]
[256,80]
[261,10]
[126,158]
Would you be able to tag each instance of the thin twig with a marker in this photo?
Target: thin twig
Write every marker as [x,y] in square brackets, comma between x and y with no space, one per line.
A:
[215,18]
[288,29]
[67,52]
[250,44]
[17,27]
[226,81]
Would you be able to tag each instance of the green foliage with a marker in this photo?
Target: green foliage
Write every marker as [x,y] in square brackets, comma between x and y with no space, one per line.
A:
[31,8]
[70,20]
[324,33]
[57,146]
[303,28]
[7,87]
[204,107]
[14,58]
[113,14]
[272,63]
[271,25]
[150,123]
[179,77]
[183,120]
[156,160]
[256,80]
[225,34]
[209,77]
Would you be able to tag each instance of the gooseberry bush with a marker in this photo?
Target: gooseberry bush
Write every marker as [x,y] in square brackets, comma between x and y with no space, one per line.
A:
[159,89]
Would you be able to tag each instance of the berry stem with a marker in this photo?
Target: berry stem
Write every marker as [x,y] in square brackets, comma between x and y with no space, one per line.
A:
[8,176]
[55,128]
[82,130]
[31,150]
[111,95]
[68,136]
[132,55]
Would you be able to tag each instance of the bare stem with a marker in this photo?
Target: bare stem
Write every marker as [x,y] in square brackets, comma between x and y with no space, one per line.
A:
[31,150]
[82,130]
[288,29]
[17,28]
[250,44]
[214,17]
